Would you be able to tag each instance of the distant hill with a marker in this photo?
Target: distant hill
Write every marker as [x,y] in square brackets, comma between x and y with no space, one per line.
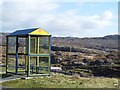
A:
[101,43]
[111,37]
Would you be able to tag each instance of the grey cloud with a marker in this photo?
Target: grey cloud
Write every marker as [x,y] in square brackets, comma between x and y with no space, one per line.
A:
[45,15]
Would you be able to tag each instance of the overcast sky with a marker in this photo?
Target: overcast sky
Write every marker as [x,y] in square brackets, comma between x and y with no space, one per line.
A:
[75,18]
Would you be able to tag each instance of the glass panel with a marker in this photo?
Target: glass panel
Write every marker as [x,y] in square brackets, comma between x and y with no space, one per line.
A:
[22,45]
[11,44]
[33,65]
[39,65]
[33,45]
[21,64]
[43,70]
[44,46]
[33,61]
[43,61]
[11,63]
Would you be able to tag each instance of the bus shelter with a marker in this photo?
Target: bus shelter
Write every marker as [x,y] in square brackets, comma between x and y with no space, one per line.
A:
[28,52]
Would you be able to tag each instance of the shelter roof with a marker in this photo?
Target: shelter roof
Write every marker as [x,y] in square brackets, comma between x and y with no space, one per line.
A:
[32,31]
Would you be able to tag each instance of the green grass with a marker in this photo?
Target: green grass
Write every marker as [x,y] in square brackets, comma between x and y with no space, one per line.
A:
[63,81]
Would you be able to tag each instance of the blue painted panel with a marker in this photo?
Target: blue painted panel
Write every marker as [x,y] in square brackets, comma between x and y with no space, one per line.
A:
[22,32]
[16,56]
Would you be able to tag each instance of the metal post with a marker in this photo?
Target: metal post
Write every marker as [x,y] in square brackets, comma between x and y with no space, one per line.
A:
[50,45]
[35,44]
[16,55]
[28,66]
[6,54]
[26,57]
[38,39]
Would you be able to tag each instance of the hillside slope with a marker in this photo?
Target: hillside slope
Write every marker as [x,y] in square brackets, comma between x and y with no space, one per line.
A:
[101,43]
